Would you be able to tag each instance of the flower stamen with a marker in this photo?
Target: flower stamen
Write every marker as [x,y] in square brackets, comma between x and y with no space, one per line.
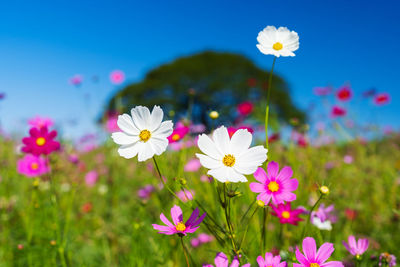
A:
[277,46]
[229,160]
[40,141]
[144,135]
[314,265]
[273,186]
[285,214]
[180,227]
[34,166]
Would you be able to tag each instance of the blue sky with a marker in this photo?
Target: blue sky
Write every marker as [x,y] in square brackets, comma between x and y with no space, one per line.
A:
[43,45]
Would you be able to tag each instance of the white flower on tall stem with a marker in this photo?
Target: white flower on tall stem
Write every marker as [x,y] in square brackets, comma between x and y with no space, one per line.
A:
[278,42]
[229,159]
[143,134]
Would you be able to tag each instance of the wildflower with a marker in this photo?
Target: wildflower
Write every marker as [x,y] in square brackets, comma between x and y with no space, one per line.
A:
[245,108]
[40,122]
[214,114]
[278,42]
[286,214]
[381,99]
[338,112]
[348,159]
[91,178]
[270,261]
[178,133]
[76,80]
[386,258]
[192,165]
[322,91]
[350,213]
[111,123]
[325,213]
[53,242]
[344,93]
[20,246]
[324,190]
[40,142]
[201,239]
[322,225]
[275,185]
[356,248]
[178,226]
[117,77]
[87,207]
[185,195]
[229,159]
[314,258]
[32,166]
[143,134]
[232,130]
[221,260]
[145,192]
[274,138]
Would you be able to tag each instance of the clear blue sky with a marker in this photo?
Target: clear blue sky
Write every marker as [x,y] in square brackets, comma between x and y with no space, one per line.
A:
[43,44]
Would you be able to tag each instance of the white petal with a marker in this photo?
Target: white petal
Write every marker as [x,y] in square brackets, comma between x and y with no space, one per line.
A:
[122,138]
[158,145]
[254,156]
[235,177]
[240,142]
[141,117]
[130,151]
[245,167]
[126,124]
[220,174]
[164,130]
[207,146]
[146,152]
[209,162]
[156,118]
[221,140]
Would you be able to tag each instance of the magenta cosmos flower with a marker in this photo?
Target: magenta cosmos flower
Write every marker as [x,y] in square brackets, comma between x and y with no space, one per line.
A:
[245,108]
[178,226]
[338,112]
[178,133]
[286,214]
[117,77]
[275,185]
[40,142]
[381,99]
[221,260]
[356,248]
[270,261]
[32,166]
[314,258]
[40,122]
[344,93]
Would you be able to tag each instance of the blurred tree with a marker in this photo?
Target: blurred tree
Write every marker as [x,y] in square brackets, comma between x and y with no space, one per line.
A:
[194,85]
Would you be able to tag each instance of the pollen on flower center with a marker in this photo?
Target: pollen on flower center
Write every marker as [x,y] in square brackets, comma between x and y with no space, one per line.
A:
[180,227]
[144,135]
[34,166]
[285,214]
[176,137]
[40,141]
[277,46]
[314,265]
[229,160]
[273,186]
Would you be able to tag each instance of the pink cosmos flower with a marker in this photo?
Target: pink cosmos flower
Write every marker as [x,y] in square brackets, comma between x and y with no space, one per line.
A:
[348,159]
[338,112]
[76,80]
[91,178]
[344,93]
[381,99]
[356,248]
[286,214]
[178,133]
[185,195]
[32,166]
[201,239]
[40,142]
[232,130]
[245,108]
[221,260]
[40,122]
[386,259]
[325,213]
[193,165]
[322,91]
[178,226]
[270,261]
[145,192]
[117,77]
[275,185]
[314,258]
[111,124]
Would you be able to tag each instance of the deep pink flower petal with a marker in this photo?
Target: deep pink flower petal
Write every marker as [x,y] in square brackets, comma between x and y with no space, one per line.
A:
[260,175]
[165,220]
[298,265]
[265,197]
[332,264]
[260,261]
[34,132]
[290,185]
[309,248]
[161,228]
[199,220]
[300,257]
[257,187]
[235,263]
[352,242]
[285,173]
[176,214]
[273,169]
[324,252]
[193,217]
[221,260]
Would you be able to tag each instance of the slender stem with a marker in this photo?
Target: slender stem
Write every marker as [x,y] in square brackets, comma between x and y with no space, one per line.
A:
[264,226]
[268,97]
[228,222]
[247,227]
[164,183]
[247,211]
[184,252]
[309,216]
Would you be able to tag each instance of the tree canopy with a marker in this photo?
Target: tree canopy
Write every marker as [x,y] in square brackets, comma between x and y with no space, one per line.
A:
[207,81]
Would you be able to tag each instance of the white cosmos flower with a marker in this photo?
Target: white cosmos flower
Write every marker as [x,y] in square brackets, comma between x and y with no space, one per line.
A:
[229,159]
[143,134]
[278,42]
[326,225]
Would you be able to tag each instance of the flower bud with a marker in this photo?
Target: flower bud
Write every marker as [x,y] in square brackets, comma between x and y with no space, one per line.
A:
[324,190]
[214,115]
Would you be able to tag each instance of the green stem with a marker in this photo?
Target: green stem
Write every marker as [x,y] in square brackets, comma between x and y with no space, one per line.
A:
[228,222]
[184,252]
[264,226]
[268,97]
[309,216]
[247,227]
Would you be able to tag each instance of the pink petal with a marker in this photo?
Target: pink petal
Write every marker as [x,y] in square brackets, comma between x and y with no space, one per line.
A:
[176,214]
[165,220]
[324,252]
[260,261]
[273,169]
[260,175]
[300,257]
[257,187]
[221,260]
[235,263]
[290,185]
[333,264]
[285,173]
[309,248]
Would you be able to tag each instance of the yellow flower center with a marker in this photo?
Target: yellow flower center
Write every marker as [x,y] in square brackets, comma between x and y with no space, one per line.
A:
[34,166]
[144,135]
[314,265]
[277,46]
[180,227]
[285,214]
[229,160]
[176,137]
[40,141]
[273,186]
